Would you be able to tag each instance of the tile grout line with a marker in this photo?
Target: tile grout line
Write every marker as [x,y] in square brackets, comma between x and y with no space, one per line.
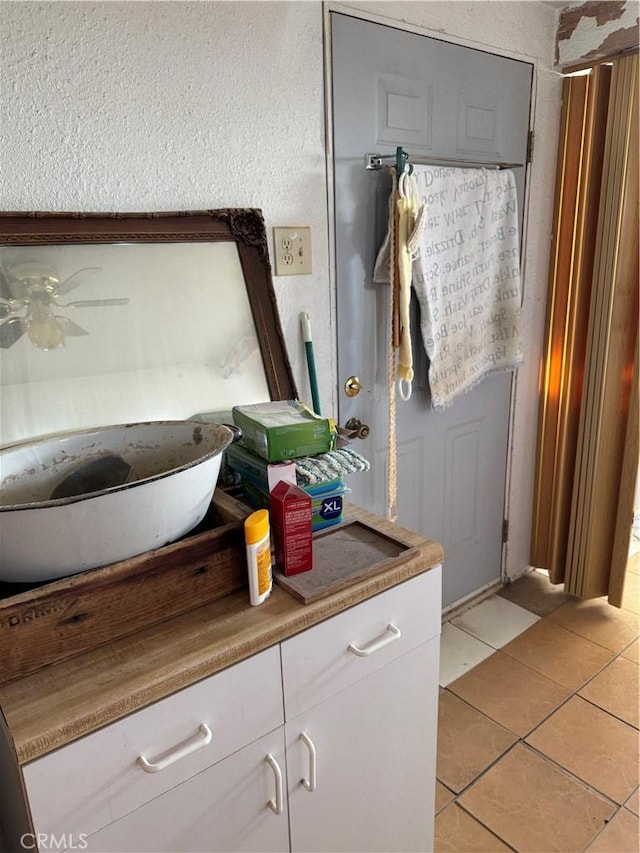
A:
[563,702]
[588,639]
[575,778]
[591,677]
[576,693]
[594,704]
[557,683]
[540,619]
[543,757]
[557,707]
[521,739]
[478,639]
[483,825]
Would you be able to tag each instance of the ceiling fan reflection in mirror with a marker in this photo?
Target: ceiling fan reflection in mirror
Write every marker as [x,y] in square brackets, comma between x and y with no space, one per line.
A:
[29,302]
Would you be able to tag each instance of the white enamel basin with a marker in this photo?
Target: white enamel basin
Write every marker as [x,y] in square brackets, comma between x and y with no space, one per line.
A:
[174,467]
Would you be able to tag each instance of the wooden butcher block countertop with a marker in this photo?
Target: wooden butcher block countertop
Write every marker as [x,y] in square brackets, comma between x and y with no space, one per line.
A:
[56,705]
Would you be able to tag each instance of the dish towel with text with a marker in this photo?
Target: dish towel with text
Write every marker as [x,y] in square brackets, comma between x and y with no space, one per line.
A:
[467,277]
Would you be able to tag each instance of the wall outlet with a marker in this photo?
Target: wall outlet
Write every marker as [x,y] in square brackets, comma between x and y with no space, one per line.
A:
[292,247]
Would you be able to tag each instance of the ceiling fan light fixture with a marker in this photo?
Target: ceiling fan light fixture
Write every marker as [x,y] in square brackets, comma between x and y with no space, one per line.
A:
[46,333]
[34,288]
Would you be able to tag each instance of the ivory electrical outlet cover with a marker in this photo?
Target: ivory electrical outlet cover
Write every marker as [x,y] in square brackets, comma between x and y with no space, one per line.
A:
[292,249]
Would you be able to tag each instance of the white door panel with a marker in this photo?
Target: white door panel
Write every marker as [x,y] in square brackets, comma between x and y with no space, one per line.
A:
[390,88]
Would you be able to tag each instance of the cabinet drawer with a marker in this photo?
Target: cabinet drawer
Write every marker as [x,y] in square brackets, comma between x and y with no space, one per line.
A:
[330,656]
[96,780]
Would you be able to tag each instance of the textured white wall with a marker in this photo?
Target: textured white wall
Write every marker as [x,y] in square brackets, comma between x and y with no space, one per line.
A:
[174,106]
[161,105]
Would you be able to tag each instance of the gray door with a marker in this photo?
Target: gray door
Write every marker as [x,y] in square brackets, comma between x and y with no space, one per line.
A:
[391,88]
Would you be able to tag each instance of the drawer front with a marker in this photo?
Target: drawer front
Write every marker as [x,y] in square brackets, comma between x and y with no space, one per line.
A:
[94,781]
[330,656]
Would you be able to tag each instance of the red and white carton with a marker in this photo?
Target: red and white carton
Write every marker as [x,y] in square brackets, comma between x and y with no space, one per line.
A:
[291,519]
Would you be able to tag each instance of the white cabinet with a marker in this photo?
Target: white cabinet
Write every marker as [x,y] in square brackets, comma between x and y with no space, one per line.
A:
[324,742]
[361,699]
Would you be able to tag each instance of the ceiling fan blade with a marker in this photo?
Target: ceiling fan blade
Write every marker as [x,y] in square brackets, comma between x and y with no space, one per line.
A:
[70,328]
[11,331]
[95,303]
[72,282]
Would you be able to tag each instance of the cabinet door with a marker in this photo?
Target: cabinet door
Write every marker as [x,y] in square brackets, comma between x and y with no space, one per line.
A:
[224,808]
[375,751]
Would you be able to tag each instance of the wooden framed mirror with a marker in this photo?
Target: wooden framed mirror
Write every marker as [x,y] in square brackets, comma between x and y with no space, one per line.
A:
[121,317]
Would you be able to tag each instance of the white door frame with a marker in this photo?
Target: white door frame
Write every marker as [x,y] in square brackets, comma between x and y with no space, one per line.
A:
[366,15]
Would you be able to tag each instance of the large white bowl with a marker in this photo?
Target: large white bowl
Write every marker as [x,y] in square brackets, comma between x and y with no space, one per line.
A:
[174,471]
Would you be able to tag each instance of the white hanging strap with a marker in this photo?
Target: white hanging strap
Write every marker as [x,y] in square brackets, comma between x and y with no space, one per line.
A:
[405,388]
[404,177]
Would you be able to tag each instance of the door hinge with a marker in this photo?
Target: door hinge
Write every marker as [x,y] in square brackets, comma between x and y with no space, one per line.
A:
[505,530]
[530,140]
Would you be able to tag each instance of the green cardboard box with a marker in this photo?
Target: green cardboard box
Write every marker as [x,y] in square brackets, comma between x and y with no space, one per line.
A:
[281,430]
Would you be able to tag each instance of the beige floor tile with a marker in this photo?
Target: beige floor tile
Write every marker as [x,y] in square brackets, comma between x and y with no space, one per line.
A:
[558,654]
[510,693]
[620,835]
[536,593]
[456,831]
[615,690]
[631,596]
[534,806]
[443,796]
[598,621]
[633,803]
[633,564]
[632,652]
[468,742]
[598,748]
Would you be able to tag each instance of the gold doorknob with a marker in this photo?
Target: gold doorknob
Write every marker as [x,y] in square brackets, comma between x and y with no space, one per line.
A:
[352,386]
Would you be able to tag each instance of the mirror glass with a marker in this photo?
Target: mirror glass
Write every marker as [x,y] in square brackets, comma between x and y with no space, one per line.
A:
[120,327]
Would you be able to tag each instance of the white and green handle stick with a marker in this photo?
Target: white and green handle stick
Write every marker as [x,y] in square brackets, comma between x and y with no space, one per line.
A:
[305,322]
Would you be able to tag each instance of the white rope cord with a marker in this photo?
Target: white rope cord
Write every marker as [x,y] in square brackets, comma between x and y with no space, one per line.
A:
[392,485]
[392,464]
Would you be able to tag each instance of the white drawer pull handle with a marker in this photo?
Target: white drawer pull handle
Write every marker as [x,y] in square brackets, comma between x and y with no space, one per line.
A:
[201,738]
[391,634]
[276,805]
[311,782]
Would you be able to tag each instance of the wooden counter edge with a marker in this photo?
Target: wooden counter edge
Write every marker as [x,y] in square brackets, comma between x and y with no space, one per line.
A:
[58,704]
